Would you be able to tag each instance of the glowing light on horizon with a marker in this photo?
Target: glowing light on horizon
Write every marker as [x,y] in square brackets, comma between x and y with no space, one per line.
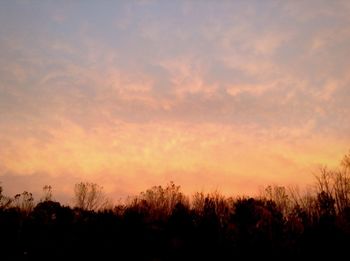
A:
[227,95]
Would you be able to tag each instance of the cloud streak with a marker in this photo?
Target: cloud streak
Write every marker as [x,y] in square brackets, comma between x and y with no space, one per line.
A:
[199,93]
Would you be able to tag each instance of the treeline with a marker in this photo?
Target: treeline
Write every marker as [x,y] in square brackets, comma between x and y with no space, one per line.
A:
[164,224]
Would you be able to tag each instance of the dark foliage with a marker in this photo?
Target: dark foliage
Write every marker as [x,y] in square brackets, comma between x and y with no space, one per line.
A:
[163,224]
[252,228]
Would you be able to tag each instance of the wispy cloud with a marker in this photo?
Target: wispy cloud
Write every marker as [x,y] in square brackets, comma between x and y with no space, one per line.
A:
[197,92]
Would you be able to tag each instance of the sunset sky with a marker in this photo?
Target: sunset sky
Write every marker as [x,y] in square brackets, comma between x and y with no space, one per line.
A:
[227,95]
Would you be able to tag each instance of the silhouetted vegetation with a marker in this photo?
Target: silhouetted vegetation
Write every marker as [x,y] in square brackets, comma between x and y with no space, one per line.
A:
[164,224]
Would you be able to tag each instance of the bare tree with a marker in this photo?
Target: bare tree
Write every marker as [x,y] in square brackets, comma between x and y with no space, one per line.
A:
[335,183]
[160,201]
[279,195]
[4,200]
[213,202]
[24,201]
[341,184]
[89,196]
[346,161]
[198,202]
[324,181]
[47,193]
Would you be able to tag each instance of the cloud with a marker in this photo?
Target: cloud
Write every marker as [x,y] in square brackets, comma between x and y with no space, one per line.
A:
[187,78]
[145,154]
[268,43]
[326,93]
[253,89]
[152,93]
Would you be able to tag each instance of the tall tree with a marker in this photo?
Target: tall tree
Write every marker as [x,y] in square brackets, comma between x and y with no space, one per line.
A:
[89,196]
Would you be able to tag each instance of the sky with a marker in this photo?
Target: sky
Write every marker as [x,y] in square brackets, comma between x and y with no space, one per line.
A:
[213,95]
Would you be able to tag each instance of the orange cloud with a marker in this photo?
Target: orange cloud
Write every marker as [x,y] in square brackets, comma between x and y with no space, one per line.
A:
[142,97]
[187,77]
[198,156]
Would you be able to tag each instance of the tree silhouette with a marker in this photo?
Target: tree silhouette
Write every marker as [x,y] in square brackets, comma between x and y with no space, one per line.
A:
[4,200]
[160,201]
[24,202]
[47,193]
[89,196]
[162,223]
